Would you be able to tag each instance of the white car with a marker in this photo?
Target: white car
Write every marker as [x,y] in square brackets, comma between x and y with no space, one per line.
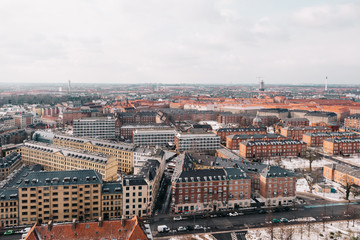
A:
[177,218]
[198,227]
[181,229]
[234,214]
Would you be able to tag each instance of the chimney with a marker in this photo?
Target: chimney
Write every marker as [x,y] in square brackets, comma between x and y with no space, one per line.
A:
[100,222]
[123,221]
[50,225]
[74,224]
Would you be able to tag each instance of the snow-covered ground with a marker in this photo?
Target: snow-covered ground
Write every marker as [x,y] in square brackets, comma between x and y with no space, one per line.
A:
[300,163]
[303,186]
[206,236]
[353,159]
[338,230]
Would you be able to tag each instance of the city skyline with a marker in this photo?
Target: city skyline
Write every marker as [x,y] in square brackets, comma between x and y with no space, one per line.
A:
[206,42]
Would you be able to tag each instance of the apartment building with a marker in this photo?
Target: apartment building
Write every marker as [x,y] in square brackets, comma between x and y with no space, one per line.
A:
[297,132]
[196,142]
[60,196]
[317,139]
[111,204]
[154,137]
[9,200]
[272,148]
[126,130]
[15,136]
[137,117]
[316,117]
[342,174]
[277,186]
[233,141]
[296,122]
[224,132]
[210,190]
[258,173]
[341,146]
[8,164]
[140,191]
[54,158]
[23,120]
[352,121]
[123,152]
[103,128]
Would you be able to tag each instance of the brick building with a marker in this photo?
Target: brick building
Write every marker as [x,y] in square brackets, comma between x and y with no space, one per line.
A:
[352,121]
[342,174]
[341,146]
[233,141]
[137,117]
[224,132]
[316,139]
[272,148]
[297,132]
[277,186]
[296,122]
[210,190]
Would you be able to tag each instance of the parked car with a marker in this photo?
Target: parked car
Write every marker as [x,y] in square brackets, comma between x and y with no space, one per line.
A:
[9,232]
[234,214]
[284,220]
[178,218]
[198,227]
[275,220]
[262,211]
[189,228]
[181,229]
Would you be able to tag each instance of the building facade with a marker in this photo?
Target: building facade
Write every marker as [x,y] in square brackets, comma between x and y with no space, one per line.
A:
[196,142]
[210,190]
[272,148]
[317,139]
[123,152]
[103,128]
[153,137]
[60,196]
[53,158]
[342,174]
[224,132]
[298,132]
[233,141]
[8,164]
[341,146]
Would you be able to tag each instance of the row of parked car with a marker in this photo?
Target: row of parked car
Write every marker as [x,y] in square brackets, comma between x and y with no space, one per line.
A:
[164,228]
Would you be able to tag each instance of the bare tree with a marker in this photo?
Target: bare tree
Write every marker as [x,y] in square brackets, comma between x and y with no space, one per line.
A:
[348,187]
[311,155]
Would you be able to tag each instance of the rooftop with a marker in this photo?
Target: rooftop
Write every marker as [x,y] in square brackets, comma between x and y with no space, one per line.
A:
[57,178]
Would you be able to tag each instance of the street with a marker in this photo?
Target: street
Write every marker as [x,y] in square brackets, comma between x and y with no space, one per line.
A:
[329,210]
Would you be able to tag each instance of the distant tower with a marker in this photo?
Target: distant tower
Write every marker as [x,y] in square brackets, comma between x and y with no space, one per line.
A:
[261,84]
[326,82]
[69,87]
[257,121]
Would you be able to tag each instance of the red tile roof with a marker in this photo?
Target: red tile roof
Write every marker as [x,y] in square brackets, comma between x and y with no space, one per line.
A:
[132,230]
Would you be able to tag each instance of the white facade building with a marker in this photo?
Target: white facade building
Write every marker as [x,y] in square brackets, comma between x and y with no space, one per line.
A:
[95,128]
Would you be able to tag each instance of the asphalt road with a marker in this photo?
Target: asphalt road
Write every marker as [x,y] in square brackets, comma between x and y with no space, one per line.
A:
[11,237]
[253,220]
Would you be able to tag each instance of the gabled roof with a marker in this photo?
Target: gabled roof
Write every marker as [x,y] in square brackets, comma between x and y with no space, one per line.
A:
[129,229]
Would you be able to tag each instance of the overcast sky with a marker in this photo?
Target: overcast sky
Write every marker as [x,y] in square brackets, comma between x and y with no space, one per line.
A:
[184,41]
